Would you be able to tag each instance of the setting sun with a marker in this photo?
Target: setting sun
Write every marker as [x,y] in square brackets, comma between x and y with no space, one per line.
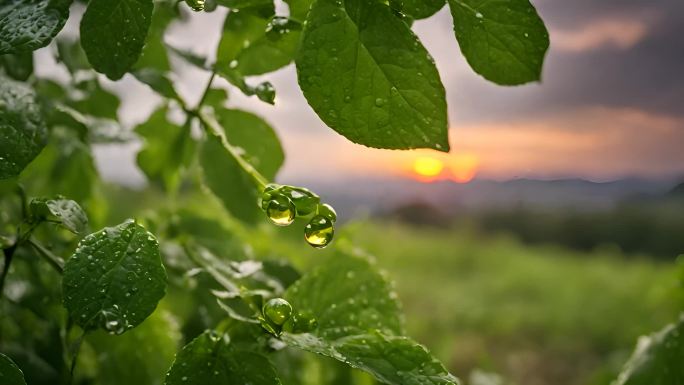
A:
[460,168]
[428,167]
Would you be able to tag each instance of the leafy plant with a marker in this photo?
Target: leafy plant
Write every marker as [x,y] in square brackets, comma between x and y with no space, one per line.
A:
[245,317]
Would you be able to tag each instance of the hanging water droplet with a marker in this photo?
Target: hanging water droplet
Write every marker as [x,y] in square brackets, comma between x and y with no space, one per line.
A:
[196,5]
[319,232]
[479,15]
[281,211]
[277,310]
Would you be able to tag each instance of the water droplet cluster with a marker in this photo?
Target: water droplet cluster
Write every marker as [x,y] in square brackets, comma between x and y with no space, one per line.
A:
[282,204]
[279,316]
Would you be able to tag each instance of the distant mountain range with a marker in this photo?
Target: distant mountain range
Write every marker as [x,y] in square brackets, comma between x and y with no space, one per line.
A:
[353,197]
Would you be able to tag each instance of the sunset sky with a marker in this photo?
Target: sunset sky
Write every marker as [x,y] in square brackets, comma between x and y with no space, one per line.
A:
[611,103]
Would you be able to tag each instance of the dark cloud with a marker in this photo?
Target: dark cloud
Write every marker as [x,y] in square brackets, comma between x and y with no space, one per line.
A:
[647,75]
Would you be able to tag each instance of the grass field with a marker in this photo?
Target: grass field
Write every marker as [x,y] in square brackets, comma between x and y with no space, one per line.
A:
[534,315]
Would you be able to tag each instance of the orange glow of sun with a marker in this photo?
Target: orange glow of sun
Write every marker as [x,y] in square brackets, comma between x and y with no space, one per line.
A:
[459,168]
[428,167]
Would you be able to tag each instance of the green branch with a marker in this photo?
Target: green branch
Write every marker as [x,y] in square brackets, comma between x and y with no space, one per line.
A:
[56,262]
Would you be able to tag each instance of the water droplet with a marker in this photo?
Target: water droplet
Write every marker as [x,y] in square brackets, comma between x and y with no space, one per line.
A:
[479,15]
[379,102]
[281,211]
[277,310]
[196,5]
[319,231]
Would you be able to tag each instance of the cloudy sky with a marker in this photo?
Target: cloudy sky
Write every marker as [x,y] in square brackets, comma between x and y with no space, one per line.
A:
[611,103]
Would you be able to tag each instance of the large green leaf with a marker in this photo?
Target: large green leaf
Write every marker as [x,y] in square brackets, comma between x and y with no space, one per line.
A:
[658,359]
[114,279]
[369,78]
[22,130]
[503,40]
[10,374]
[359,324]
[252,139]
[211,359]
[141,356]
[113,33]
[26,25]
[165,148]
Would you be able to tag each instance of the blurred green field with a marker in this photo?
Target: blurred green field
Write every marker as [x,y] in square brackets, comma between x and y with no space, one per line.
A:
[533,314]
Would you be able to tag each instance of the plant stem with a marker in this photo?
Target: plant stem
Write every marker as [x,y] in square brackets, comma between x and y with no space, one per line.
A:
[75,348]
[215,129]
[9,254]
[54,261]
[206,91]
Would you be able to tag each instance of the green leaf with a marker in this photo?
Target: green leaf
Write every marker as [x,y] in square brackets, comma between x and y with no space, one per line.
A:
[503,40]
[166,147]
[299,9]
[65,211]
[96,130]
[253,44]
[10,372]
[26,25]
[369,78]
[18,66]
[216,97]
[114,279]
[211,359]
[348,297]
[240,29]
[275,49]
[113,33]
[157,81]
[65,167]
[257,143]
[418,9]
[154,53]
[393,360]
[264,91]
[358,322]
[658,359]
[141,356]
[22,130]
[96,101]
